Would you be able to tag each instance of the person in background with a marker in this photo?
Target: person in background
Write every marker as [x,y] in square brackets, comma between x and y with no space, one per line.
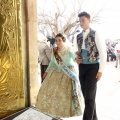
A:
[109,53]
[117,53]
[44,54]
[113,56]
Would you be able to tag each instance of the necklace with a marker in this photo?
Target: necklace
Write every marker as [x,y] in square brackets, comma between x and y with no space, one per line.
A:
[61,48]
[63,51]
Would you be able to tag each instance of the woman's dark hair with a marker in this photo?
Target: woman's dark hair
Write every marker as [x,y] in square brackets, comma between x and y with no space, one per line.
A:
[60,35]
[85,14]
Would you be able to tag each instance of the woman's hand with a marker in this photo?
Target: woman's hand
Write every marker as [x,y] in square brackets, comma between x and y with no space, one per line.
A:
[44,75]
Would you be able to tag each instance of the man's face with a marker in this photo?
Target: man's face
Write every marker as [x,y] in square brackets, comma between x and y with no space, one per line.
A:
[84,22]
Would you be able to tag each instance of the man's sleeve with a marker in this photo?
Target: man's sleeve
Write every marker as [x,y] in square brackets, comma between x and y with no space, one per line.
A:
[101,46]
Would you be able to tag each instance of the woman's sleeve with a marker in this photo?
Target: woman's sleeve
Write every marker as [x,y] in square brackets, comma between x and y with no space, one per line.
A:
[72,53]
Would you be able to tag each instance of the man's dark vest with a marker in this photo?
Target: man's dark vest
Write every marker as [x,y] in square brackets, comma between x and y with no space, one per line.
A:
[90,45]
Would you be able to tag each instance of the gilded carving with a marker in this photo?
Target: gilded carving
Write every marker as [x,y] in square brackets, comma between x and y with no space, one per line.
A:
[12,96]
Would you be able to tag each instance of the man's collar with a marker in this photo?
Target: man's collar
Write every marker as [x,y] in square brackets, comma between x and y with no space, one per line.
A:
[87,30]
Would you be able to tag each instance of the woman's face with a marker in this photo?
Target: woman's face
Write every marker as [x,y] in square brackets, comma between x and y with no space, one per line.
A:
[59,42]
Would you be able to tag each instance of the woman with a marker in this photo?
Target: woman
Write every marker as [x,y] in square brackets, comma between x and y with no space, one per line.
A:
[59,95]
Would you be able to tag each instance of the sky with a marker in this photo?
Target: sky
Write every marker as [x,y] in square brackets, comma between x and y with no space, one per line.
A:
[110,24]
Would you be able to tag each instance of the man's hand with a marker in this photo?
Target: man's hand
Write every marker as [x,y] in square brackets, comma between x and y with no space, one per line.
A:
[78,60]
[77,53]
[44,75]
[98,76]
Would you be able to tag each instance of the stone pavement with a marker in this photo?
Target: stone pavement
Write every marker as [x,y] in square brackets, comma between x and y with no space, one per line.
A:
[108,95]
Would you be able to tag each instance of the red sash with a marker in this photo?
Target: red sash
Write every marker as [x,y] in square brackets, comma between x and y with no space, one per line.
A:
[57,57]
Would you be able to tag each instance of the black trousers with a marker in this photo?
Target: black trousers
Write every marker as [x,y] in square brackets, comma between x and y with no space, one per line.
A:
[88,83]
[43,69]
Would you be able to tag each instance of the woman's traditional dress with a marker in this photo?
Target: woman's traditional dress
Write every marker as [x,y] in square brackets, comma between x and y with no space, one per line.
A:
[59,95]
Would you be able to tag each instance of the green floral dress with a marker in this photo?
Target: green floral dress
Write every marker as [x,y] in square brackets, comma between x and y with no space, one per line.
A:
[58,95]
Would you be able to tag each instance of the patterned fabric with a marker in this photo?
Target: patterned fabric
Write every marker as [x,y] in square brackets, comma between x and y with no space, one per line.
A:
[71,74]
[68,57]
[90,45]
[63,66]
[58,96]
[85,58]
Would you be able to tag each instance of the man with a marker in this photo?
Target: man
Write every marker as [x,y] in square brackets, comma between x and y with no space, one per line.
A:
[44,54]
[117,53]
[91,59]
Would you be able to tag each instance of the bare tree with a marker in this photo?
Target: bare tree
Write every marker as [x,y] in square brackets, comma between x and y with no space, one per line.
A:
[60,22]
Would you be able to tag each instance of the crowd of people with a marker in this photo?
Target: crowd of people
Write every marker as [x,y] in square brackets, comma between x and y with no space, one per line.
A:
[113,52]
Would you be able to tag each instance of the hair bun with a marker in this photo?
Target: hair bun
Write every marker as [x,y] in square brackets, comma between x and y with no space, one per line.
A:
[61,35]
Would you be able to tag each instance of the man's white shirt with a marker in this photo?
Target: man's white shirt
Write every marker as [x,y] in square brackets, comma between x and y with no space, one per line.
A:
[100,43]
